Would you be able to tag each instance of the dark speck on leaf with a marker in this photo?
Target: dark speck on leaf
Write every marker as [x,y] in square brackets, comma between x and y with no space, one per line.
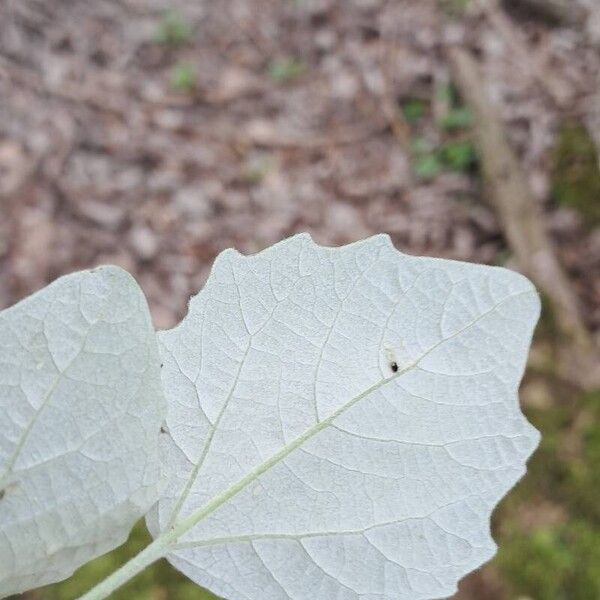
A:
[8,489]
[394,366]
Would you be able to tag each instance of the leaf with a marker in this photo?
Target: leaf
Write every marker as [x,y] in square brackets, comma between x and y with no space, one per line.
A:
[458,156]
[428,166]
[342,421]
[458,118]
[183,77]
[81,407]
[413,109]
[173,30]
[286,70]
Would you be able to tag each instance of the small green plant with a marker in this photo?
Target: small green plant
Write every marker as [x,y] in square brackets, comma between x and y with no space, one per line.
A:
[429,161]
[457,118]
[286,70]
[173,30]
[458,115]
[413,109]
[455,8]
[426,163]
[458,155]
[427,167]
[183,78]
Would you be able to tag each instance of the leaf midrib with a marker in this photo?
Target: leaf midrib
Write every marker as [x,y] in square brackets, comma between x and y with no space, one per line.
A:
[214,426]
[171,536]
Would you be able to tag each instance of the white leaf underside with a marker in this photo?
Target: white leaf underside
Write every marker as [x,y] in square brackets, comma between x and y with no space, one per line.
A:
[319,471]
[81,407]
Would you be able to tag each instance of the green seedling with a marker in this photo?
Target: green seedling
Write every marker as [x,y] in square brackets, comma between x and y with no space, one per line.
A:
[183,78]
[457,118]
[286,70]
[427,167]
[413,109]
[458,156]
[173,30]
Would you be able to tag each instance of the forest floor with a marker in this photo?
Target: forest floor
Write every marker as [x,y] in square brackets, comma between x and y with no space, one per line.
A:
[153,134]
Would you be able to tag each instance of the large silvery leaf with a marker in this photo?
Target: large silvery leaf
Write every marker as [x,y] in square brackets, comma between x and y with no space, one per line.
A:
[342,422]
[80,407]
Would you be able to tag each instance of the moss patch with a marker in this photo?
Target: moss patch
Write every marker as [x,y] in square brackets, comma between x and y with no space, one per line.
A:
[575,173]
[552,551]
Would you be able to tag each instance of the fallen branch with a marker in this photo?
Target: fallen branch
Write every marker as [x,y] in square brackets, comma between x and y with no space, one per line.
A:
[523,226]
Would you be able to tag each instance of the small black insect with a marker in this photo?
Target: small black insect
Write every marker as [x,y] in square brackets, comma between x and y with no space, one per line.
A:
[162,365]
[391,358]
[2,492]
